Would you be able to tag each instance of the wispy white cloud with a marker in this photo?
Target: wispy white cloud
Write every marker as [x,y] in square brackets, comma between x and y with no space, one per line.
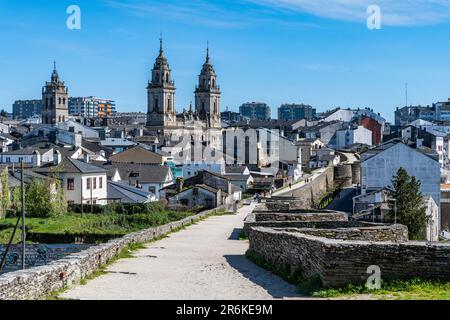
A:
[394,12]
[232,14]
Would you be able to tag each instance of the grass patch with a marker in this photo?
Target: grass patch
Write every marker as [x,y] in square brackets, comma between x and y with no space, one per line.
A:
[414,289]
[113,225]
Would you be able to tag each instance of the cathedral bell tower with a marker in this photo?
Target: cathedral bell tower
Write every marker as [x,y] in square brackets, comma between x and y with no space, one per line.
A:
[55,100]
[161,94]
[207,95]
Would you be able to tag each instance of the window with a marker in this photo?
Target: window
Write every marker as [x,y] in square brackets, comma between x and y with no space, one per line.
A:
[95,183]
[89,182]
[100,183]
[70,184]
[152,190]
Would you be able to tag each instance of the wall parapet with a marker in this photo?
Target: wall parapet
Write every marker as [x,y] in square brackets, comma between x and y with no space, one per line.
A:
[339,262]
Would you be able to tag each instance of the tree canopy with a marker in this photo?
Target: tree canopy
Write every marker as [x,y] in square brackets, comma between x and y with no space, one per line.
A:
[411,210]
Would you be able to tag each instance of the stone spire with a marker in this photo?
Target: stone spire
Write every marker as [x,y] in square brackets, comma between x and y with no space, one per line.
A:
[161,93]
[207,94]
[161,50]
[55,76]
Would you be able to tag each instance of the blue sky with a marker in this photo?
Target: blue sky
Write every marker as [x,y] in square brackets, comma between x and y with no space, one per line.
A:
[276,51]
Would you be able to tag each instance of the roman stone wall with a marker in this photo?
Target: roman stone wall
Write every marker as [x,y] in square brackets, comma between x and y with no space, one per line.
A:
[37,254]
[307,216]
[310,194]
[39,282]
[397,233]
[281,216]
[356,172]
[343,175]
[339,262]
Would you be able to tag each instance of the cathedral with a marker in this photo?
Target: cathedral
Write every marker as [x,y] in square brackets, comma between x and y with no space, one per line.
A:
[201,125]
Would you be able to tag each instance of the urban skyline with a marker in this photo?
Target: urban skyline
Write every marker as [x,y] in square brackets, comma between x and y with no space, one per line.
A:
[111,55]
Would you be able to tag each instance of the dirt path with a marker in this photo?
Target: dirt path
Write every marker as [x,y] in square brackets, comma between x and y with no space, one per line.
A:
[204,261]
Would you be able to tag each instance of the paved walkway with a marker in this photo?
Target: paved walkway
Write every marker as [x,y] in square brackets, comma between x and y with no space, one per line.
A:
[298,185]
[204,261]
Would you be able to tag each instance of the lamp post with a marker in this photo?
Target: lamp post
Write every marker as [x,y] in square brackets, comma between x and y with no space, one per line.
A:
[24,235]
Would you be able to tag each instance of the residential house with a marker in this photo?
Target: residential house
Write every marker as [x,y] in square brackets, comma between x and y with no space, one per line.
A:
[230,193]
[352,135]
[324,160]
[309,148]
[75,127]
[138,155]
[82,182]
[239,176]
[6,140]
[199,196]
[149,178]
[325,131]
[31,156]
[122,193]
[376,206]
[374,126]
[379,165]
[117,144]
[431,139]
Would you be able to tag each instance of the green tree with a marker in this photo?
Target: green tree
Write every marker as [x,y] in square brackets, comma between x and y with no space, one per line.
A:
[4,113]
[45,198]
[57,197]
[411,210]
[6,193]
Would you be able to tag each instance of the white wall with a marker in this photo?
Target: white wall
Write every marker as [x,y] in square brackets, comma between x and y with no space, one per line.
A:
[341,115]
[348,137]
[99,194]
[191,169]
[377,172]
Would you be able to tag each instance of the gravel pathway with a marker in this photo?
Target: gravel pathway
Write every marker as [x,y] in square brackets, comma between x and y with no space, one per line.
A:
[204,261]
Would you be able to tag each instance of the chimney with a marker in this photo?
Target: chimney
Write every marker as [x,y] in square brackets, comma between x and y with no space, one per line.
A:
[87,158]
[57,157]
